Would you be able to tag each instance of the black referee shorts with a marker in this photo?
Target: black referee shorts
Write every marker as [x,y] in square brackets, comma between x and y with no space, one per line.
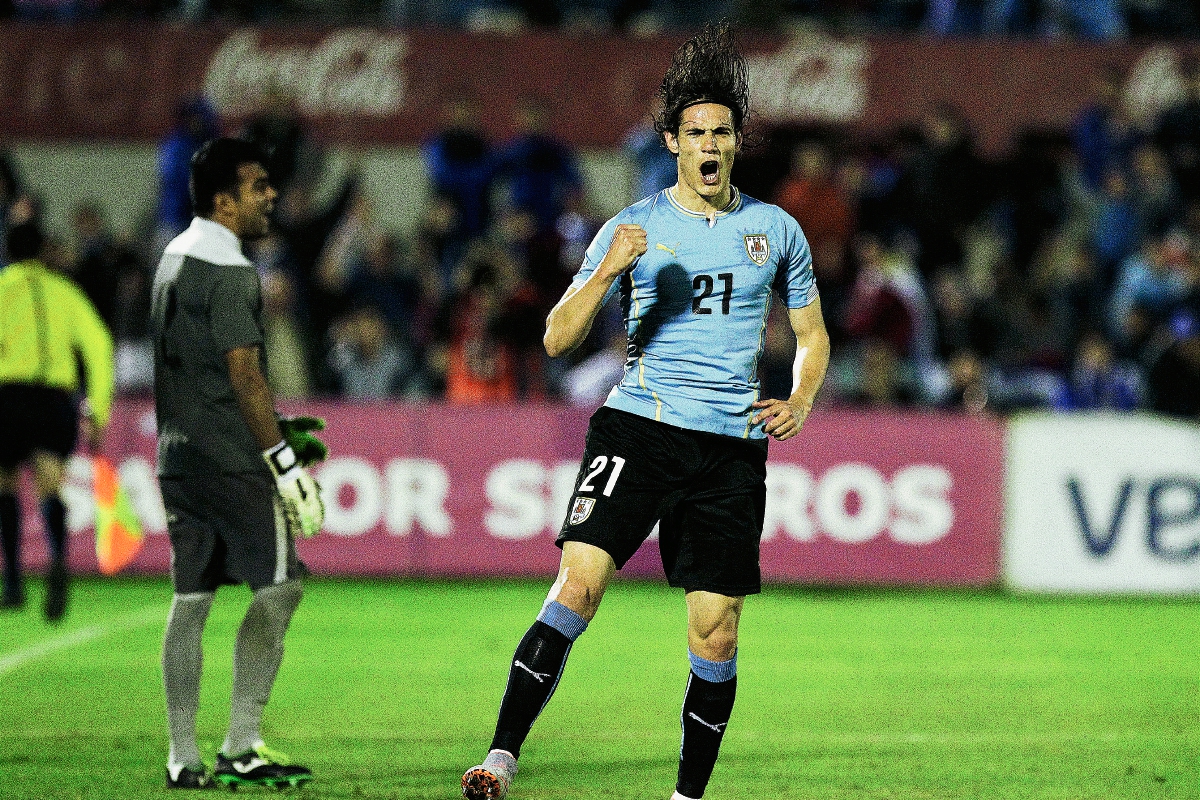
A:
[36,418]
[227,529]
[707,492]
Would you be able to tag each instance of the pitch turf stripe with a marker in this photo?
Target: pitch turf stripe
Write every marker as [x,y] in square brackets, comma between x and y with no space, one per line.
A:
[19,658]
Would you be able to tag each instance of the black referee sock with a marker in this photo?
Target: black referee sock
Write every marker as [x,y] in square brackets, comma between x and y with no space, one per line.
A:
[536,668]
[707,705]
[55,515]
[10,536]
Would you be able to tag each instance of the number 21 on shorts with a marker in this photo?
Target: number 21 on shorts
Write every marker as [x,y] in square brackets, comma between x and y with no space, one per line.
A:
[598,465]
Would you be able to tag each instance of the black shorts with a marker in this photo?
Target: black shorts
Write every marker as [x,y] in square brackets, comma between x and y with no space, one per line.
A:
[227,529]
[707,492]
[36,418]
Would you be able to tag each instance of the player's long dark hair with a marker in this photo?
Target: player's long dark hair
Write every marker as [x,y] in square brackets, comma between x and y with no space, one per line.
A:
[705,69]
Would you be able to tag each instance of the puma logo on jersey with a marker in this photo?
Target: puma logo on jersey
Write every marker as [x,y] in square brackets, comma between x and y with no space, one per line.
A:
[540,677]
[662,246]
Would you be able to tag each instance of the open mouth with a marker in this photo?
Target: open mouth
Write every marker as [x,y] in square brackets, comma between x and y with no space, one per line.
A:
[710,173]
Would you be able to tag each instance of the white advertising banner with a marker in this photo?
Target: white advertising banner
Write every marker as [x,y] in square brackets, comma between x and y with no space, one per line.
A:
[1103,503]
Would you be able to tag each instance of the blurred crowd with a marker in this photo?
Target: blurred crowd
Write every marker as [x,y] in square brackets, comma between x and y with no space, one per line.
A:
[1085,19]
[1064,276]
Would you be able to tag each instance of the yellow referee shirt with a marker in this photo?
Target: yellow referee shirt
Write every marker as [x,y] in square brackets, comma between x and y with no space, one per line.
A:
[45,320]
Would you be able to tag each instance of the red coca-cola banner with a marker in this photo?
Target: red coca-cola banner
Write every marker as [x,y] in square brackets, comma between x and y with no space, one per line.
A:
[858,498]
[359,86]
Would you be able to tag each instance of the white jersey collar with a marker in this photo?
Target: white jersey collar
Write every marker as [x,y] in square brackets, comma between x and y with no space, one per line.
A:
[735,202]
[209,241]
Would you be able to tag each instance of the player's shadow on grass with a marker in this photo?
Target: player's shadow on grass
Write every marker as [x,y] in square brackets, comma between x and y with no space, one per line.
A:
[672,297]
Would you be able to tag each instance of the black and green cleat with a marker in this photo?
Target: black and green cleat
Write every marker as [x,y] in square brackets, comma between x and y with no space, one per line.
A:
[260,767]
[185,776]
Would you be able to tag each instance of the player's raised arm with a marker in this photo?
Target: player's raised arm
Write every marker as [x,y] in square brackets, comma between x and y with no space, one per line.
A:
[571,319]
[784,418]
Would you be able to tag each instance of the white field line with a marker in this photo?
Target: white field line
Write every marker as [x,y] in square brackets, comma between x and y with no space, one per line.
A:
[793,739]
[19,658]
[941,739]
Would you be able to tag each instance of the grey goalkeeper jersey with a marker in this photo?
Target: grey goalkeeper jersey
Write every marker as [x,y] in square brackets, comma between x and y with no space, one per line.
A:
[207,300]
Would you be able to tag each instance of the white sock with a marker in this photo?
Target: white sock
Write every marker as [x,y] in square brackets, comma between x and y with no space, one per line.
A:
[182,662]
[257,654]
[678,796]
[503,760]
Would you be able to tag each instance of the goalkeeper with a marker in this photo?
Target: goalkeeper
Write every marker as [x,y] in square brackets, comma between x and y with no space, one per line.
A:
[233,483]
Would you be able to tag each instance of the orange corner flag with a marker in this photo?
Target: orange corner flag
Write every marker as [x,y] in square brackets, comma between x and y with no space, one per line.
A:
[118,531]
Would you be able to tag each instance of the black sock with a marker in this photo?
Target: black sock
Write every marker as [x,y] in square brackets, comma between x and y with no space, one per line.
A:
[55,515]
[10,536]
[706,710]
[532,678]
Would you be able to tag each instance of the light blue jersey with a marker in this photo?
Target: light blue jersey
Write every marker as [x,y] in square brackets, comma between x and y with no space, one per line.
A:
[696,307]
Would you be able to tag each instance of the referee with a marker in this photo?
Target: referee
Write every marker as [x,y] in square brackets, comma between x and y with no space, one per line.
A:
[235,492]
[47,327]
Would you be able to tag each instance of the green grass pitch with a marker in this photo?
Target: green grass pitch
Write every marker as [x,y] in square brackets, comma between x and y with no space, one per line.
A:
[389,689]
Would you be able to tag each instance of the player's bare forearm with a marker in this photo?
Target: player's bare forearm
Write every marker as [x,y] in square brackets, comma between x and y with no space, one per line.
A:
[784,418]
[253,395]
[570,320]
[812,355]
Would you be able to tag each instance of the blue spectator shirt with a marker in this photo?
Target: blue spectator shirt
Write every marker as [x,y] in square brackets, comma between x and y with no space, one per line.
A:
[461,167]
[696,304]
[541,173]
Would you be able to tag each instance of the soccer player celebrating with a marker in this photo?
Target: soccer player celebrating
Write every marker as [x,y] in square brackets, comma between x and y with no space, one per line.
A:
[682,439]
[234,487]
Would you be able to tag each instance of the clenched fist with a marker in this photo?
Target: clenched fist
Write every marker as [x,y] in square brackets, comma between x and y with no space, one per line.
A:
[628,245]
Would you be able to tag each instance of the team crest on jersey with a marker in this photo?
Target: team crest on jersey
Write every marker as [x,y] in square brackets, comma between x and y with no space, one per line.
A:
[581,509]
[758,248]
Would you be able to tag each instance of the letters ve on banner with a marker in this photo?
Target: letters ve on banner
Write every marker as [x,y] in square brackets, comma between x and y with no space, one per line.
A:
[1103,503]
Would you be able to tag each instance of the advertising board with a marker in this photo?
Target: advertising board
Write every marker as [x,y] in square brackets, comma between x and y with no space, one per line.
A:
[1103,503]
[857,498]
[371,86]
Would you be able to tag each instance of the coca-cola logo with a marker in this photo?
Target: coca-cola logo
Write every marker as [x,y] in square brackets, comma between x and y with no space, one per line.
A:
[350,72]
[810,78]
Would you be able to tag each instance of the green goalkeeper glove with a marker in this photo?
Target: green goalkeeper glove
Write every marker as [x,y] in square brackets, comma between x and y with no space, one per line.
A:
[299,494]
[298,433]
